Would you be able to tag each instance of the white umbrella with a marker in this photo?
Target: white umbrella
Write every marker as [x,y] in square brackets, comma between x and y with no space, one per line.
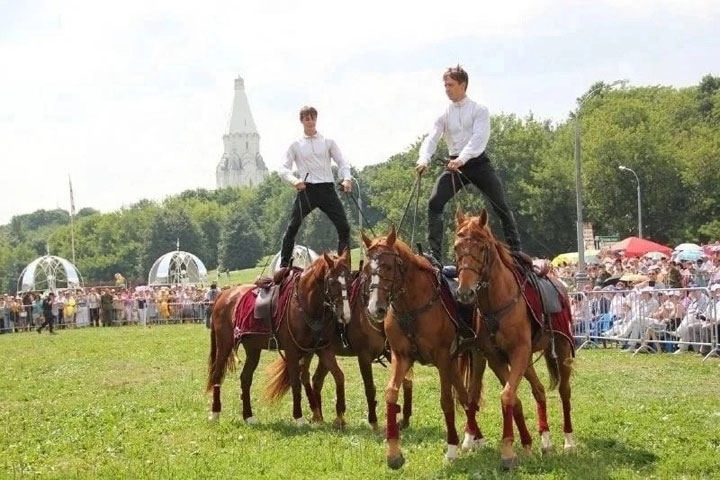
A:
[655,255]
[687,246]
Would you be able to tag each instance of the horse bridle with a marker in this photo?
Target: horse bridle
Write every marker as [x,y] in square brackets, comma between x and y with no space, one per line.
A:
[398,273]
[462,250]
[327,300]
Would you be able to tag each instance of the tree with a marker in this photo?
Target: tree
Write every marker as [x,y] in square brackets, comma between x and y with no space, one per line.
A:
[240,241]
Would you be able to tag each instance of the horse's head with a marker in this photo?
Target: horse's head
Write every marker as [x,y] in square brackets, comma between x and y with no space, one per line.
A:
[337,285]
[474,253]
[384,270]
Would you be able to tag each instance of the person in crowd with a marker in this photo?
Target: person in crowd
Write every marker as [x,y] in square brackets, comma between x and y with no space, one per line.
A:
[93,301]
[49,307]
[141,303]
[695,313]
[106,306]
[209,301]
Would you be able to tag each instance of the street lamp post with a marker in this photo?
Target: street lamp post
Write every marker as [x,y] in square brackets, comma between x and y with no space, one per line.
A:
[637,179]
[581,275]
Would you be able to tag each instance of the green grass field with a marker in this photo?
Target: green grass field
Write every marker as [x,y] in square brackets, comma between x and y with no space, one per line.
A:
[129,403]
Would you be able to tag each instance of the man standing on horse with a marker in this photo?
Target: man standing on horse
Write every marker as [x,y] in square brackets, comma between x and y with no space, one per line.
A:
[311,154]
[465,125]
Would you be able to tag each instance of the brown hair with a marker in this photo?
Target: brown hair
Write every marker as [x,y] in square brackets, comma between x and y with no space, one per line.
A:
[458,74]
[306,110]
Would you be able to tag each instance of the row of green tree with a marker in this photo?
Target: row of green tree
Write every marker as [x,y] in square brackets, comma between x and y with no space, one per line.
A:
[669,136]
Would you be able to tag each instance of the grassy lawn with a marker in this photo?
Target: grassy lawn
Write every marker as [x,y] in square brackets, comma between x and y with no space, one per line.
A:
[129,403]
[248,275]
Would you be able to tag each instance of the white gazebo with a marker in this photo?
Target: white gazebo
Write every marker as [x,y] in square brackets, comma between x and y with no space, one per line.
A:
[49,273]
[177,268]
[302,257]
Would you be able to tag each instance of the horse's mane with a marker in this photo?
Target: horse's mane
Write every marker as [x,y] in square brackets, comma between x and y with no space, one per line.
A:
[406,253]
[502,250]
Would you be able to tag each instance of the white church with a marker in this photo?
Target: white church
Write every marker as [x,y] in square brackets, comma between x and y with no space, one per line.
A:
[241,165]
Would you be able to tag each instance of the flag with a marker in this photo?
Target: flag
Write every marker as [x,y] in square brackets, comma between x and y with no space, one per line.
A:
[72,199]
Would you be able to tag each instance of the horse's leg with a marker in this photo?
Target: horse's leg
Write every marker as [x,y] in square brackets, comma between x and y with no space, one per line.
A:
[473,435]
[449,377]
[407,385]
[398,367]
[564,358]
[365,364]
[292,362]
[538,392]
[252,358]
[312,391]
[327,357]
[519,360]
[221,351]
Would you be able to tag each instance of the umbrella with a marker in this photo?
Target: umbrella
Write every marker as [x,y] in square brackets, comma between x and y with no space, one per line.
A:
[687,246]
[633,277]
[713,248]
[655,255]
[634,247]
[689,255]
[571,258]
[611,281]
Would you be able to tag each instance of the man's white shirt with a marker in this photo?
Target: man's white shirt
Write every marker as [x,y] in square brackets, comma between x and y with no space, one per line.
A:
[465,125]
[311,155]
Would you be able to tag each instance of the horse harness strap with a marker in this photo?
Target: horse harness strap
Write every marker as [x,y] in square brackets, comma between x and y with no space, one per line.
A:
[492,319]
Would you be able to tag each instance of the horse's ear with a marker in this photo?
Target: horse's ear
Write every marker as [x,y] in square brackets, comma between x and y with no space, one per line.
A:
[483,218]
[392,237]
[459,217]
[366,240]
[328,260]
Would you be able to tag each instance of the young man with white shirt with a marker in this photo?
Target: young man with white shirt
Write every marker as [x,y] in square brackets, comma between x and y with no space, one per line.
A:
[465,125]
[311,154]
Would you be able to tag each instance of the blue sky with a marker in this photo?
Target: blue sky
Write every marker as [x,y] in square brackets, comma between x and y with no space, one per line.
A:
[133,99]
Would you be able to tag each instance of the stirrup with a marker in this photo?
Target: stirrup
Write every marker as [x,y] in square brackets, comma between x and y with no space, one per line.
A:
[344,340]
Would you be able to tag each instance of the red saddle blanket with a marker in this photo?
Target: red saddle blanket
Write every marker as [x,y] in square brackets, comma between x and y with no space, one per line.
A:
[561,321]
[245,321]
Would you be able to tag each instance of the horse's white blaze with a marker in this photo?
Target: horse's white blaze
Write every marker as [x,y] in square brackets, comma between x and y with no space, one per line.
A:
[251,421]
[451,452]
[374,280]
[346,301]
[569,441]
[545,440]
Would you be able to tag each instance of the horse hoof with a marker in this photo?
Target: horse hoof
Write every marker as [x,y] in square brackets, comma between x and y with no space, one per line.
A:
[214,416]
[509,463]
[404,423]
[472,443]
[396,462]
[569,448]
[339,423]
[316,419]
[547,450]
[451,453]
[300,422]
[375,427]
[251,421]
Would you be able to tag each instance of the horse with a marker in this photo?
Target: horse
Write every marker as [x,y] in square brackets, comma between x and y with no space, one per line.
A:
[405,295]
[508,333]
[318,299]
[367,342]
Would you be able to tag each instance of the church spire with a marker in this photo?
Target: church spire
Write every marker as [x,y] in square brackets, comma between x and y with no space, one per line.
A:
[241,120]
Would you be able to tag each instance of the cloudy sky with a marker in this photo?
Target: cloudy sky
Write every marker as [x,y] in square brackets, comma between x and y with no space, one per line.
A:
[132,98]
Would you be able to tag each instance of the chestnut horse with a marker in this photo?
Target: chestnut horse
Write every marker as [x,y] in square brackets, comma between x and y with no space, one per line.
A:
[319,299]
[487,280]
[367,342]
[404,293]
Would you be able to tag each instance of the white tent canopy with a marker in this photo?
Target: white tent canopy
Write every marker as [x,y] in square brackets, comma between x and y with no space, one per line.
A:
[302,257]
[49,273]
[177,268]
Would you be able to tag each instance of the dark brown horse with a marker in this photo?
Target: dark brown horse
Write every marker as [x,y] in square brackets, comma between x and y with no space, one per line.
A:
[367,342]
[405,293]
[319,300]
[487,280]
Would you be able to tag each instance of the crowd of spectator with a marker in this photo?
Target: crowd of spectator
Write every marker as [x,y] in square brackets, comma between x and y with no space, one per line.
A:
[673,305]
[104,306]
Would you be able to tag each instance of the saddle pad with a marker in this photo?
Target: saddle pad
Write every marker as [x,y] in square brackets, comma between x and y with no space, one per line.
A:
[561,321]
[245,321]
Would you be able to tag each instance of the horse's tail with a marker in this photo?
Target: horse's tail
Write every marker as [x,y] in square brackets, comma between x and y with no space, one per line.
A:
[553,369]
[465,367]
[279,382]
[220,359]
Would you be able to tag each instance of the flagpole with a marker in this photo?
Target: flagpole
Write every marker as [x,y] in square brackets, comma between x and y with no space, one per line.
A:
[72,220]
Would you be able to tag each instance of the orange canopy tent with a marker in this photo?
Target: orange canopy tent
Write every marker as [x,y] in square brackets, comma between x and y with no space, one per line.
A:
[635,247]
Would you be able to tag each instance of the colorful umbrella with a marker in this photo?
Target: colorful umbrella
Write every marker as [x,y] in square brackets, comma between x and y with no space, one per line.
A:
[687,247]
[655,255]
[689,255]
